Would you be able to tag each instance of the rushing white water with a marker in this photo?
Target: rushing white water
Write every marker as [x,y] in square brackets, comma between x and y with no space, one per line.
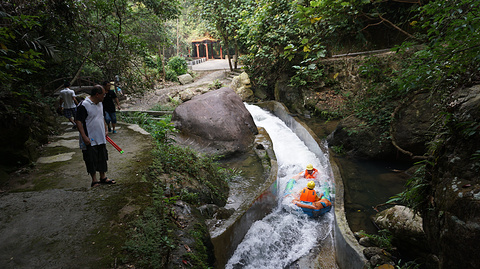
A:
[285,235]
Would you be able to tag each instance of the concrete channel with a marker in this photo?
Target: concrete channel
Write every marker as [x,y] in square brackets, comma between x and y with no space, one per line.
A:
[226,236]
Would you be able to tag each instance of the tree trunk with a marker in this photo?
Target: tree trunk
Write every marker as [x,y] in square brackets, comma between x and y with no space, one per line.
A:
[236,54]
[225,40]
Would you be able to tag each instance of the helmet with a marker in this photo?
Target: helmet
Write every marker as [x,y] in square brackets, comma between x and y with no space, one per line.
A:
[309,167]
[311,185]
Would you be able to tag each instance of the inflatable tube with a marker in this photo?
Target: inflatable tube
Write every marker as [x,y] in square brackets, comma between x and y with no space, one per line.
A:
[314,209]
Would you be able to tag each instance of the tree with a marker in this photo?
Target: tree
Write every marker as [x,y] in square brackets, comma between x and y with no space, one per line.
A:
[223,15]
[44,43]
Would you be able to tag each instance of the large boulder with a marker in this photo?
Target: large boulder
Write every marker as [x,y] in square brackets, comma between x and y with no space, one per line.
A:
[415,122]
[361,140]
[411,129]
[215,123]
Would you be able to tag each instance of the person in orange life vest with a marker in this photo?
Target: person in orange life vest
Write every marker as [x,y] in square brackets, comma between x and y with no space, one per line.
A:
[308,194]
[310,173]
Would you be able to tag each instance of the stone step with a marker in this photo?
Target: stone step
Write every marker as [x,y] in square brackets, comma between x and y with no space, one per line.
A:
[231,74]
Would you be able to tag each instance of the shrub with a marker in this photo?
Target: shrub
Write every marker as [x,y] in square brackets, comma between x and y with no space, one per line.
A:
[178,64]
[170,74]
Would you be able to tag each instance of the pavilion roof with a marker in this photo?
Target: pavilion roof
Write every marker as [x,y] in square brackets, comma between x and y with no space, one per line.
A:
[204,40]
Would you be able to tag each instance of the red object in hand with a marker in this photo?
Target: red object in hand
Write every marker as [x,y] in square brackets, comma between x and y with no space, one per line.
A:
[114,145]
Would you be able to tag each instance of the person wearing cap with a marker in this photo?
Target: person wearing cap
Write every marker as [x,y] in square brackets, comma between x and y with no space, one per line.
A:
[308,194]
[309,173]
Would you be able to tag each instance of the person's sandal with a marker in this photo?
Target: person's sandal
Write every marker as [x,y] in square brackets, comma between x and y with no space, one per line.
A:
[107,181]
[95,184]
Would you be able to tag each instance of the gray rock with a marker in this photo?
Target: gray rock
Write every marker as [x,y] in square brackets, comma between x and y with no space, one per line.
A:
[224,213]
[401,221]
[369,252]
[241,85]
[208,210]
[407,229]
[185,79]
[366,242]
[215,123]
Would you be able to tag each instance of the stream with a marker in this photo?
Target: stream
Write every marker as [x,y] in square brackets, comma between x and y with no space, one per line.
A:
[285,235]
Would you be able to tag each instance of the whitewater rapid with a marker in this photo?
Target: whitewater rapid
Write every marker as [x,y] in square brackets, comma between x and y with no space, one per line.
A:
[284,235]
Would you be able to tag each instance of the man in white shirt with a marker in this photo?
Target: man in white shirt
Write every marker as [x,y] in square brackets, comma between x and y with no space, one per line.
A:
[93,131]
[69,103]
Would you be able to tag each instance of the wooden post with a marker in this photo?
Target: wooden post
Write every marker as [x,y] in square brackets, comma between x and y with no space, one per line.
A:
[206,50]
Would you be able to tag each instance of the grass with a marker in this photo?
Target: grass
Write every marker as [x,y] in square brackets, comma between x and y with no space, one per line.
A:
[176,174]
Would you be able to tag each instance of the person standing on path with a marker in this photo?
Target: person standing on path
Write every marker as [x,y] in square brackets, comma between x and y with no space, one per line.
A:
[93,131]
[69,103]
[109,106]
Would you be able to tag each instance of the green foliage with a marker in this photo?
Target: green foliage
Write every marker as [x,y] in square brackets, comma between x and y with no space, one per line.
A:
[476,155]
[20,54]
[374,70]
[152,237]
[383,239]
[354,23]
[199,256]
[408,265]
[170,74]
[306,74]
[449,60]
[152,62]
[215,85]
[267,28]
[175,159]
[338,149]
[178,65]
[451,56]
[159,129]
[416,190]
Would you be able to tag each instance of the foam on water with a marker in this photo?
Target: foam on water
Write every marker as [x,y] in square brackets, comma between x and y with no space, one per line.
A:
[285,235]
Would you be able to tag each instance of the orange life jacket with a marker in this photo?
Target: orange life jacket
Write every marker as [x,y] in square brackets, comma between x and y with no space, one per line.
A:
[312,175]
[308,195]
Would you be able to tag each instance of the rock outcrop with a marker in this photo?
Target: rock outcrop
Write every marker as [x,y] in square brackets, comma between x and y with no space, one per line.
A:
[360,140]
[215,123]
[452,216]
[411,129]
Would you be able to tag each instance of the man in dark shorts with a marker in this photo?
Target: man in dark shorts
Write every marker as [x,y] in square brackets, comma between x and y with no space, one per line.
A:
[93,131]
[109,106]
[68,103]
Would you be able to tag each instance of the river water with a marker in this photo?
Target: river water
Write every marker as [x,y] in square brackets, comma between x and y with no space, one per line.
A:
[285,235]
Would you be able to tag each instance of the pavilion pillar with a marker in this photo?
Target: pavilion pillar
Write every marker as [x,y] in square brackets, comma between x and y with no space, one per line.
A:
[206,50]
[221,53]
[198,54]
